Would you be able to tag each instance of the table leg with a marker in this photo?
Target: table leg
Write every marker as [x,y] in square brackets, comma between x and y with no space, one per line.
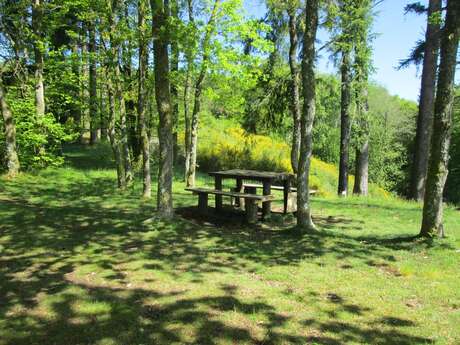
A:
[239,189]
[218,186]
[286,192]
[266,206]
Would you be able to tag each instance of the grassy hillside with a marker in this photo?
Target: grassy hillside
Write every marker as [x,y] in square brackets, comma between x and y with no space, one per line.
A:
[79,264]
[223,144]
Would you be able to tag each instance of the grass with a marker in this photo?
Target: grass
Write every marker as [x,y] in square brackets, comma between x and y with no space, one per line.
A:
[79,265]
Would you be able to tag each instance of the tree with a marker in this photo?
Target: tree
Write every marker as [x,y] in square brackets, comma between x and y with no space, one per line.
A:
[362,66]
[141,108]
[38,43]
[12,160]
[112,81]
[342,21]
[442,125]
[160,16]
[294,99]
[304,220]
[205,47]
[426,105]
[93,101]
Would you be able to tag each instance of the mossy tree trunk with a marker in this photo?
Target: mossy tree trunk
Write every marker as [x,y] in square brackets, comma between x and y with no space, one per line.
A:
[294,99]
[304,219]
[426,106]
[160,14]
[12,160]
[440,142]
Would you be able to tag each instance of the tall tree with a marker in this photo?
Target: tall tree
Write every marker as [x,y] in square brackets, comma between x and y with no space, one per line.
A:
[160,17]
[205,48]
[343,19]
[362,65]
[93,101]
[12,160]
[141,108]
[112,80]
[175,71]
[426,105]
[294,99]
[189,55]
[439,153]
[304,219]
[39,45]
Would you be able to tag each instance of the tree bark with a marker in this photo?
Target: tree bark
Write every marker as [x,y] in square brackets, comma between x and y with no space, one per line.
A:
[113,138]
[362,169]
[160,13]
[345,123]
[85,115]
[113,90]
[304,219]
[187,87]
[141,109]
[294,102]
[175,82]
[37,22]
[123,126]
[426,106]
[93,107]
[440,142]
[190,178]
[12,160]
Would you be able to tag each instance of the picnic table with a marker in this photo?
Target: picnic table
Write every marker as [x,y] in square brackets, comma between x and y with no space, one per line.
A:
[267,178]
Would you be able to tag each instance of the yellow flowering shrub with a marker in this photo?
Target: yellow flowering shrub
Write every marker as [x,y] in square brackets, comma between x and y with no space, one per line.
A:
[233,148]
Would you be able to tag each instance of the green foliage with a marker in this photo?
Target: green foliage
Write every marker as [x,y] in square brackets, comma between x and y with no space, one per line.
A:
[39,140]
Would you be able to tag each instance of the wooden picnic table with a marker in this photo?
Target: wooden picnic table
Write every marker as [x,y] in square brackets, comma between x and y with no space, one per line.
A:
[267,179]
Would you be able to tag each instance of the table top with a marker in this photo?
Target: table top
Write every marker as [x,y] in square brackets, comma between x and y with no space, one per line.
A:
[252,175]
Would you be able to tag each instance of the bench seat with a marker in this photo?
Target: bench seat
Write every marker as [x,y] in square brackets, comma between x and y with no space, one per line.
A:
[250,204]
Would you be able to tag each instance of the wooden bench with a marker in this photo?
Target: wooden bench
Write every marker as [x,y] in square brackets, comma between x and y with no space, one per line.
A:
[251,200]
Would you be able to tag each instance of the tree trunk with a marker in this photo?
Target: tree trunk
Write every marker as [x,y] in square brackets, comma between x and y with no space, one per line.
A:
[345,123]
[295,103]
[12,160]
[187,124]
[439,153]
[187,87]
[362,169]
[114,142]
[123,126]
[175,82]
[113,93]
[141,109]
[426,106]
[163,97]
[304,219]
[76,114]
[190,178]
[93,107]
[85,116]
[37,19]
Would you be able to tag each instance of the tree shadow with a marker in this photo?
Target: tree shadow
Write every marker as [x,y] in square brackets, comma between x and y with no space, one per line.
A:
[79,265]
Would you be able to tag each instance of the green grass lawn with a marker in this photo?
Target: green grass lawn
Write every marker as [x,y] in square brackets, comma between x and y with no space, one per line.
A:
[79,265]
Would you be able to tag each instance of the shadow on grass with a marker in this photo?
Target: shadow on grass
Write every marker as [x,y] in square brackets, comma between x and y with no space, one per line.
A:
[47,241]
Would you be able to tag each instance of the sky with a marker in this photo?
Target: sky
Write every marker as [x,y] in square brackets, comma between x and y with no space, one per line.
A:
[396,36]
